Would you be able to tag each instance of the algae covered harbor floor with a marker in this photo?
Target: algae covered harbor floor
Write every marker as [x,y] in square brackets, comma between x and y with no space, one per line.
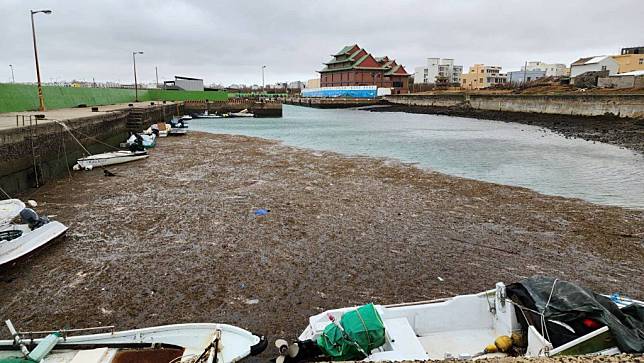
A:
[174,239]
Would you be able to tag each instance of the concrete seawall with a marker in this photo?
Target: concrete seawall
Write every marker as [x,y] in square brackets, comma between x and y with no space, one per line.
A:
[577,105]
[259,109]
[331,102]
[38,153]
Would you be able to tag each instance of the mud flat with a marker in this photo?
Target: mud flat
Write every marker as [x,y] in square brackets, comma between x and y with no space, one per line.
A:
[625,132]
[174,239]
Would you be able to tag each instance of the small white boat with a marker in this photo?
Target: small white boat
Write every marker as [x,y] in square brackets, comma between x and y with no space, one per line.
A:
[148,141]
[161,128]
[205,114]
[17,240]
[179,126]
[242,113]
[176,131]
[464,327]
[219,343]
[111,158]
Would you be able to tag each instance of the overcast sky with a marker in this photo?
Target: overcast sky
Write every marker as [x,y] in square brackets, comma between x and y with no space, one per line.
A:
[228,41]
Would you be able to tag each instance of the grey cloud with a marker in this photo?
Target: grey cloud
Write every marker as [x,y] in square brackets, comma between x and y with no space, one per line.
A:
[228,41]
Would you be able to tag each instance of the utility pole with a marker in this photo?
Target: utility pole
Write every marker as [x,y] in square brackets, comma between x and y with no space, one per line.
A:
[263,84]
[13,79]
[156,71]
[136,85]
[41,98]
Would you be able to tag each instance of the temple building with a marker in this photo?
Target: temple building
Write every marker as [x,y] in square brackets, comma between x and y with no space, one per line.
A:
[354,66]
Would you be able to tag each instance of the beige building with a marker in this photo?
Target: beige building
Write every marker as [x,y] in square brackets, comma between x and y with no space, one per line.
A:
[629,62]
[313,83]
[482,76]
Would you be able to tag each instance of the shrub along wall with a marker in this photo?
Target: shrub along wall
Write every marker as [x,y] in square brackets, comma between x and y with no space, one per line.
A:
[23,97]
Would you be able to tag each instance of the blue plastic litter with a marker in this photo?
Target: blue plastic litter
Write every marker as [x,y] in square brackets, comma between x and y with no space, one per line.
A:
[262,212]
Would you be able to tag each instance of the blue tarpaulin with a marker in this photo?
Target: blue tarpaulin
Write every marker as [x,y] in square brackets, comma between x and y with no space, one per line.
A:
[348,91]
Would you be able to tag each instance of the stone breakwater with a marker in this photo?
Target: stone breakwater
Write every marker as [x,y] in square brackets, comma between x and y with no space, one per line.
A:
[173,238]
[631,106]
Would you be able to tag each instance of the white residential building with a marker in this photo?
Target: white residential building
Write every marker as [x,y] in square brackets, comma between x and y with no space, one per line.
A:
[598,63]
[552,70]
[438,70]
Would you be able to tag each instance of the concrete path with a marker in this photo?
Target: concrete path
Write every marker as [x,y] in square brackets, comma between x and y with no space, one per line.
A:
[8,120]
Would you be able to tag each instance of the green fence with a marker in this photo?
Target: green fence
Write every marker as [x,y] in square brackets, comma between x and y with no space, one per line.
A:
[22,97]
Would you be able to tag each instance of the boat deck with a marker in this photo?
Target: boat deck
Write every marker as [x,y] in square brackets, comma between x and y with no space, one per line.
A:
[456,342]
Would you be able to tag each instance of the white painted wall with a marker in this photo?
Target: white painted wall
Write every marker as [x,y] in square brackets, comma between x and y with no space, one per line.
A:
[551,69]
[611,66]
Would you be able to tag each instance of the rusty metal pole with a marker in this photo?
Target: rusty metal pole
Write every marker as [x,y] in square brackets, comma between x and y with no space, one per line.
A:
[41,97]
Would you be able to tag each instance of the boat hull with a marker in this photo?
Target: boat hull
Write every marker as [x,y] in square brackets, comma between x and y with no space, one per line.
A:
[29,241]
[112,158]
[235,343]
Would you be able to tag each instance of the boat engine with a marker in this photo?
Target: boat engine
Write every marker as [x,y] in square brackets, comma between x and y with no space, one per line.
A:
[32,218]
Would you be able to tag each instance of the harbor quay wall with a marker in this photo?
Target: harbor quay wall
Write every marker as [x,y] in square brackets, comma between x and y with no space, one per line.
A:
[631,106]
[41,152]
[24,97]
[335,102]
[258,108]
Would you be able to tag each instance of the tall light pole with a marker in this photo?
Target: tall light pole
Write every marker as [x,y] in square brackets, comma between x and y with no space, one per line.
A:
[263,85]
[41,98]
[13,79]
[136,85]
[156,71]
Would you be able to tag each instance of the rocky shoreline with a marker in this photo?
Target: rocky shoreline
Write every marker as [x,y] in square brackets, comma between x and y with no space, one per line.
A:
[624,132]
[174,238]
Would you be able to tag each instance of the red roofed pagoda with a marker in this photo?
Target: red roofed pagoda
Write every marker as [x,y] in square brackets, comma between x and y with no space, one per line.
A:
[354,66]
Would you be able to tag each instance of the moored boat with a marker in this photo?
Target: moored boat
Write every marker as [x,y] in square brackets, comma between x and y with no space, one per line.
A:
[147,141]
[242,113]
[201,342]
[111,158]
[179,125]
[205,114]
[17,240]
[535,317]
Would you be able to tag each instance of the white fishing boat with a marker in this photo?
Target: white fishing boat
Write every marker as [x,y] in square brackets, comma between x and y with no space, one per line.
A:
[484,325]
[177,131]
[242,113]
[110,158]
[147,141]
[17,240]
[205,114]
[161,129]
[179,126]
[194,343]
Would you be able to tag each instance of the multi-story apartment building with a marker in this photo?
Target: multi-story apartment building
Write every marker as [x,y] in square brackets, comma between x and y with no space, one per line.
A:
[550,69]
[438,71]
[482,76]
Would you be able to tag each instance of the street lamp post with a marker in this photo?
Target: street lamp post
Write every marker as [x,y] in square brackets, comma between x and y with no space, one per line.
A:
[263,85]
[41,98]
[13,79]
[136,85]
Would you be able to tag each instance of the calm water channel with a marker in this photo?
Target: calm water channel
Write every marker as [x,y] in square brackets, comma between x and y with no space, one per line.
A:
[505,153]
